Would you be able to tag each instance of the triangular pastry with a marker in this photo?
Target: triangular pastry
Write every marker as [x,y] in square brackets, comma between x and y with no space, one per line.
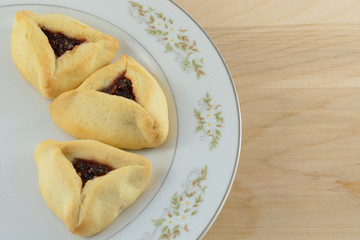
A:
[121,105]
[87,184]
[56,53]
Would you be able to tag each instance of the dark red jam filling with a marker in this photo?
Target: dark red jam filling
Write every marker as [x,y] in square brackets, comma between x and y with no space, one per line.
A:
[88,169]
[60,43]
[121,86]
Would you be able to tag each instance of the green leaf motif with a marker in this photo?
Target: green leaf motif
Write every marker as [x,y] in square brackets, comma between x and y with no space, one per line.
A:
[158,222]
[164,229]
[199,128]
[159,15]
[198,75]
[198,199]
[135,4]
[218,133]
[196,113]
[194,212]
[168,48]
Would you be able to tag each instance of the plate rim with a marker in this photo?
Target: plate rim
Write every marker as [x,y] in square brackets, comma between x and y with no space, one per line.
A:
[236,166]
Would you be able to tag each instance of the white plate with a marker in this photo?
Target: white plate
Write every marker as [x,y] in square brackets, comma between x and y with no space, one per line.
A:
[192,172]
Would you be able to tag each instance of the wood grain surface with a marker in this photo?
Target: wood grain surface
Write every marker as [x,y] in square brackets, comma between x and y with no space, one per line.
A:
[296,67]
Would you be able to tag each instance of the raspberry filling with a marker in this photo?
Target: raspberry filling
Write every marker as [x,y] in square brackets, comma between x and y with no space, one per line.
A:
[88,169]
[61,43]
[121,86]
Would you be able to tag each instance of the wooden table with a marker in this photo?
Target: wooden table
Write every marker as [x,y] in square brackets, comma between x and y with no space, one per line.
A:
[296,67]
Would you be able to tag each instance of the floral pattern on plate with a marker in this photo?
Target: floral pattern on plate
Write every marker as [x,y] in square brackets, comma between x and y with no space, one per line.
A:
[183,207]
[173,37]
[209,121]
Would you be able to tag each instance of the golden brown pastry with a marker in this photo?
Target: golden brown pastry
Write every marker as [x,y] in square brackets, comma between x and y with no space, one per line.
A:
[56,53]
[87,184]
[121,105]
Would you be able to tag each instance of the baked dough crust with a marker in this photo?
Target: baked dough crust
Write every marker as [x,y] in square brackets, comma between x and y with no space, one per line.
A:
[37,62]
[88,210]
[87,113]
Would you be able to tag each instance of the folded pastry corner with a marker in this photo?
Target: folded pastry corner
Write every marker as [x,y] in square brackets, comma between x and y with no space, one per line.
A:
[121,105]
[56,53]
[87,184]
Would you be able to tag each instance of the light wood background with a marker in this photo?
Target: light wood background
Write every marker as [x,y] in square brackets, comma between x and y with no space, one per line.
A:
[296,66]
